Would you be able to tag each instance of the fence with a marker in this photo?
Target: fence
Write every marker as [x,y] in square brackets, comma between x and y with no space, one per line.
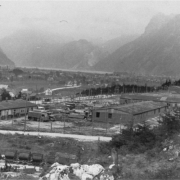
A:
[64,125]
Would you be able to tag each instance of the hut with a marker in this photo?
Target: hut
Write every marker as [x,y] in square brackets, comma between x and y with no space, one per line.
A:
[11,155]
[37,158]
[65,158]
[24,156]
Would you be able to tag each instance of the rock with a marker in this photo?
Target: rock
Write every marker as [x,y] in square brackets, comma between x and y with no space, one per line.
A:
[176,153]
[171,159]
[171,147]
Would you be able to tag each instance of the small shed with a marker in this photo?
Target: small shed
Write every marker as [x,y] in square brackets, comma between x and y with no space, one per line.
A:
[37,158]
[50,159]
[66,158]
[11,155]
[24,156]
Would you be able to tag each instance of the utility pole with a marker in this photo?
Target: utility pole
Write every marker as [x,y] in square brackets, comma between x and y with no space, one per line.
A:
[132,120]
[26,111]
[51,125]
[137,85]
[92,120]
[36,92]
[106,115]
[39,125]
[13,116]
[64,122]
[101,95]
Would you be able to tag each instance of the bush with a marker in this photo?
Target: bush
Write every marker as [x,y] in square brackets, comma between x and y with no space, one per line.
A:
[169,125]
[136,141]
[140,163]
[102,161]
[150,154]
[120,140]
[124,150]
[104,148]
[143,139]
[166,173]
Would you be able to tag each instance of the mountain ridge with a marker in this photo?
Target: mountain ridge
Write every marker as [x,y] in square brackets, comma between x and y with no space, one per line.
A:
[4,60]
[35,49]
[156,51]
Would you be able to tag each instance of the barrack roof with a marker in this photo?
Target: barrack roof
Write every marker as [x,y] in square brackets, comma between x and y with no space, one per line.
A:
[15,104]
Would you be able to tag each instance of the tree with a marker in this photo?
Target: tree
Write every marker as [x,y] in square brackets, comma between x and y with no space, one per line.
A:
[1,75]
[11,79]
[17,72]
[19,96]
[169,125]
[5,95]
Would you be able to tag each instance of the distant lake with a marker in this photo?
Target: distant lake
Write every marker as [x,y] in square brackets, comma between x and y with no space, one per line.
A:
[71,70]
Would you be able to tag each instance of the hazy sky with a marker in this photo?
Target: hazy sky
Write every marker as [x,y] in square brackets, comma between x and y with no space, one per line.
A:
[86,19]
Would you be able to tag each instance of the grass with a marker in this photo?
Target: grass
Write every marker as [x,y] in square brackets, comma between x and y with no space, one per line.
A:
[30,84]
[149,165]
[46,145]
[36,85]
[72,126]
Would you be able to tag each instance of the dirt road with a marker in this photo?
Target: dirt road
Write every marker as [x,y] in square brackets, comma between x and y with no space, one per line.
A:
[74,136]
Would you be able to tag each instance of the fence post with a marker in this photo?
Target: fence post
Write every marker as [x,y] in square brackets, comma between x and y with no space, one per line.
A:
[120,125]
[64,123]
[92,121]
[51,125]
[106,116]
[79,127]
[13,118]
[39,126]
[98,141]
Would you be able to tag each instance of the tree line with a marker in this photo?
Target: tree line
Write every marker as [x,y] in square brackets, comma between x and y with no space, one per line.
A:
[116,89]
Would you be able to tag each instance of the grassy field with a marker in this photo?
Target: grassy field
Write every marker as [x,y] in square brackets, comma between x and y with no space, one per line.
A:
[86,152]
[30,84]
[153,164]
[44,144]
[69,126]
[37,85]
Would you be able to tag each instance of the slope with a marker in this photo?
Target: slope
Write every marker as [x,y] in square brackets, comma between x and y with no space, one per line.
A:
[156,51]
[4,60]
[42,49]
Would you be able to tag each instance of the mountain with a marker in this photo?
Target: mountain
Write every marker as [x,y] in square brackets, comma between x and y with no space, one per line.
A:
[30,47]
[42,49]
[156,51]
[4,60]
[79,54]
[112,45]
[84,54]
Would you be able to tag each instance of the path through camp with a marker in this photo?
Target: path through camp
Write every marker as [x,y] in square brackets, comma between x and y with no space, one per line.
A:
[74,136]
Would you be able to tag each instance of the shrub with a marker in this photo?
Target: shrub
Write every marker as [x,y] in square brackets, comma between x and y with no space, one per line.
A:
[140,163]
[104,148]
[143,139]
[151,154]
[169,125]
[124,150]
[166,173]
[137,141]
[102,161]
